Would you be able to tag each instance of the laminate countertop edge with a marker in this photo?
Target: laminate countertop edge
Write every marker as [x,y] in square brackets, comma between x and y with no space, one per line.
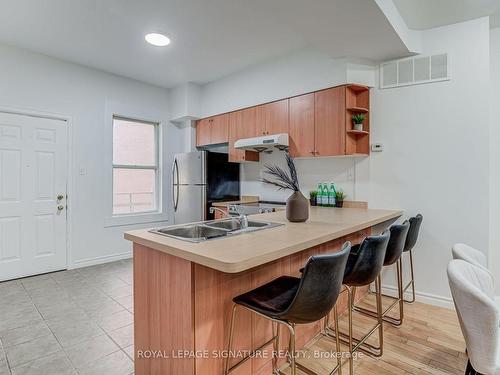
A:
[193,252]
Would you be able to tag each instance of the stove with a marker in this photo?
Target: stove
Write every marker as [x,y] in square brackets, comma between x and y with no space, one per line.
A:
[255,208]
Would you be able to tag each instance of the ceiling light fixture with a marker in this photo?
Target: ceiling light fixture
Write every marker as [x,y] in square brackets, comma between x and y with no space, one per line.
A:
[158,40]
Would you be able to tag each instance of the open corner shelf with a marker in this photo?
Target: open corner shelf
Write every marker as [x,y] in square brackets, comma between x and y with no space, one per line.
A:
[358,109]
[357,101]
[358,88]
[357,132]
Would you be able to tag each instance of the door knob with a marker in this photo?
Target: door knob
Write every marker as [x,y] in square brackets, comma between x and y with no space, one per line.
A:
[60,207]
[60,197]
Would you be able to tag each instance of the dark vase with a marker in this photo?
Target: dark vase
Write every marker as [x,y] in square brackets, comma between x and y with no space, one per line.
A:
[339,204]
[297,208]
[313,201]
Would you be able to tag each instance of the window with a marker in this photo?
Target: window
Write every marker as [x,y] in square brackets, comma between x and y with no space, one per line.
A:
[135,166]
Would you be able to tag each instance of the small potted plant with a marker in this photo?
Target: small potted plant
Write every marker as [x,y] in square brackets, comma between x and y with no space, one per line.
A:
[313,197]
[339,198]
[357,120]
[297,206]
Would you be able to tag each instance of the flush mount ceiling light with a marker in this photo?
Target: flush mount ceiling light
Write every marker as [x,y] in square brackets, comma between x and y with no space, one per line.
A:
[158,40]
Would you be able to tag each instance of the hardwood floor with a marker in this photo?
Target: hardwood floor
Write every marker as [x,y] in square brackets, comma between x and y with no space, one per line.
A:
[429,342]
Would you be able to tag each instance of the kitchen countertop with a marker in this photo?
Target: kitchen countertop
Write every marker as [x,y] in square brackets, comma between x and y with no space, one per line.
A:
[244,251]
[244,199]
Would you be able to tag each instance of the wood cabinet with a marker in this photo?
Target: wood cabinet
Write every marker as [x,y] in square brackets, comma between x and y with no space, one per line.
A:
[318,123]
[329,122]
[242,124]
[203,136]
[212,130]
[321,125]
[301,133]
[272,118]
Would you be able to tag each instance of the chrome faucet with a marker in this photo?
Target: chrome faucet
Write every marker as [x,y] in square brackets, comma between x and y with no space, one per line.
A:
[213,209]
[243,220]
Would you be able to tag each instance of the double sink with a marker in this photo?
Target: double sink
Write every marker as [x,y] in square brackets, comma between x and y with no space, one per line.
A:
[207,230]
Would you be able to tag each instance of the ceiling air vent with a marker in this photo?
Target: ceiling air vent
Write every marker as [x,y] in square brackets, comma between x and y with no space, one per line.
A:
[414,71]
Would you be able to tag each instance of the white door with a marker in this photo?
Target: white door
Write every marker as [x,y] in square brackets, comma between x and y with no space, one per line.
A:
[33,176]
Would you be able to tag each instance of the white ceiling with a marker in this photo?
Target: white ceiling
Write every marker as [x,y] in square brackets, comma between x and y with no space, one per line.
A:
[210,38]
[425,14]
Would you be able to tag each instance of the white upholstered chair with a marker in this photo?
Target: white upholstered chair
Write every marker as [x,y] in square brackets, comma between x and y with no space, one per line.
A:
[473,256]
[469,254]
[473,294]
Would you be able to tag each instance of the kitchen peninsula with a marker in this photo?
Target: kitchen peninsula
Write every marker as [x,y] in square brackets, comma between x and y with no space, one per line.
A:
[183,291]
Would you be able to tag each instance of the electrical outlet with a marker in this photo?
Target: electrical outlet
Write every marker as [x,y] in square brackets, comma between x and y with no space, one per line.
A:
[377,147]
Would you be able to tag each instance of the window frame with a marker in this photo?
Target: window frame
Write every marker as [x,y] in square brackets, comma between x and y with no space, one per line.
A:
[155,167]
[160,215]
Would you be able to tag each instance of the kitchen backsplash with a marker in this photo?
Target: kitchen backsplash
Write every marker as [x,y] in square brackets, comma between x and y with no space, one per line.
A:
[310,171]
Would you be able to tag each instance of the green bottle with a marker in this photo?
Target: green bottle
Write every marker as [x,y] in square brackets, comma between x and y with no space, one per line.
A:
[325,195]
[319,197]
[331,195]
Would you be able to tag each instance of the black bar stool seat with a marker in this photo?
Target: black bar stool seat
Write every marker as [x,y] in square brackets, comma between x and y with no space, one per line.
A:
[273,298]
[290,300]
[393,254]
[411,241]
[363,267]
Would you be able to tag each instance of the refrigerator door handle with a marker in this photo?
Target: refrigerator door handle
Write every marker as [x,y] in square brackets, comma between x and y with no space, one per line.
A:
[175,174]
[204,202]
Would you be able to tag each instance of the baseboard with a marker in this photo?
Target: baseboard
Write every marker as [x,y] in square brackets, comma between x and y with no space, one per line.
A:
[101,260]
[430,299]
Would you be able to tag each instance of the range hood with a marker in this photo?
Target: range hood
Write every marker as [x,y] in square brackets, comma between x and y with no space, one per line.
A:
[267,143]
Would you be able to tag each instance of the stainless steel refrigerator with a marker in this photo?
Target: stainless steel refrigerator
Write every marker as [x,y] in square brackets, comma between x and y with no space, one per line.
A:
[200,178]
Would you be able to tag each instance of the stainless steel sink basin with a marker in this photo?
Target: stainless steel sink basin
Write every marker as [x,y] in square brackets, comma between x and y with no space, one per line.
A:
[193,232]
[207,230]
[235,224]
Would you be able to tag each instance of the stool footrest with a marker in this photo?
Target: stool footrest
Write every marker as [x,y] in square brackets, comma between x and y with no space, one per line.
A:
[243,360]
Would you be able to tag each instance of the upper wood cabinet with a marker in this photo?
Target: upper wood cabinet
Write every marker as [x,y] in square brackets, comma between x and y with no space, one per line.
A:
[321,123]
[203,132]
[212,130]
[318,124]
[272,118]
[301,134]
[242,124]
[329,122]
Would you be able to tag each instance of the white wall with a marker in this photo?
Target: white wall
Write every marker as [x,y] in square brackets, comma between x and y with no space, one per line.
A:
[311,172]
[436,156]
[495,156]
[297,73]
[38,83]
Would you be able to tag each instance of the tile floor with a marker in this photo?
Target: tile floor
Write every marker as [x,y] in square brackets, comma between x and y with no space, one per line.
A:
[68,322]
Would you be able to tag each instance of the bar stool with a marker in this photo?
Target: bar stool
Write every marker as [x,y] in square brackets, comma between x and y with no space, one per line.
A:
[411,240]
[363,268]
[393,254]
[290,300]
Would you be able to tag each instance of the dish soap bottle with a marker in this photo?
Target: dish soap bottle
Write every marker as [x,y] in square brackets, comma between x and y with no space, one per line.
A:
[331,195]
